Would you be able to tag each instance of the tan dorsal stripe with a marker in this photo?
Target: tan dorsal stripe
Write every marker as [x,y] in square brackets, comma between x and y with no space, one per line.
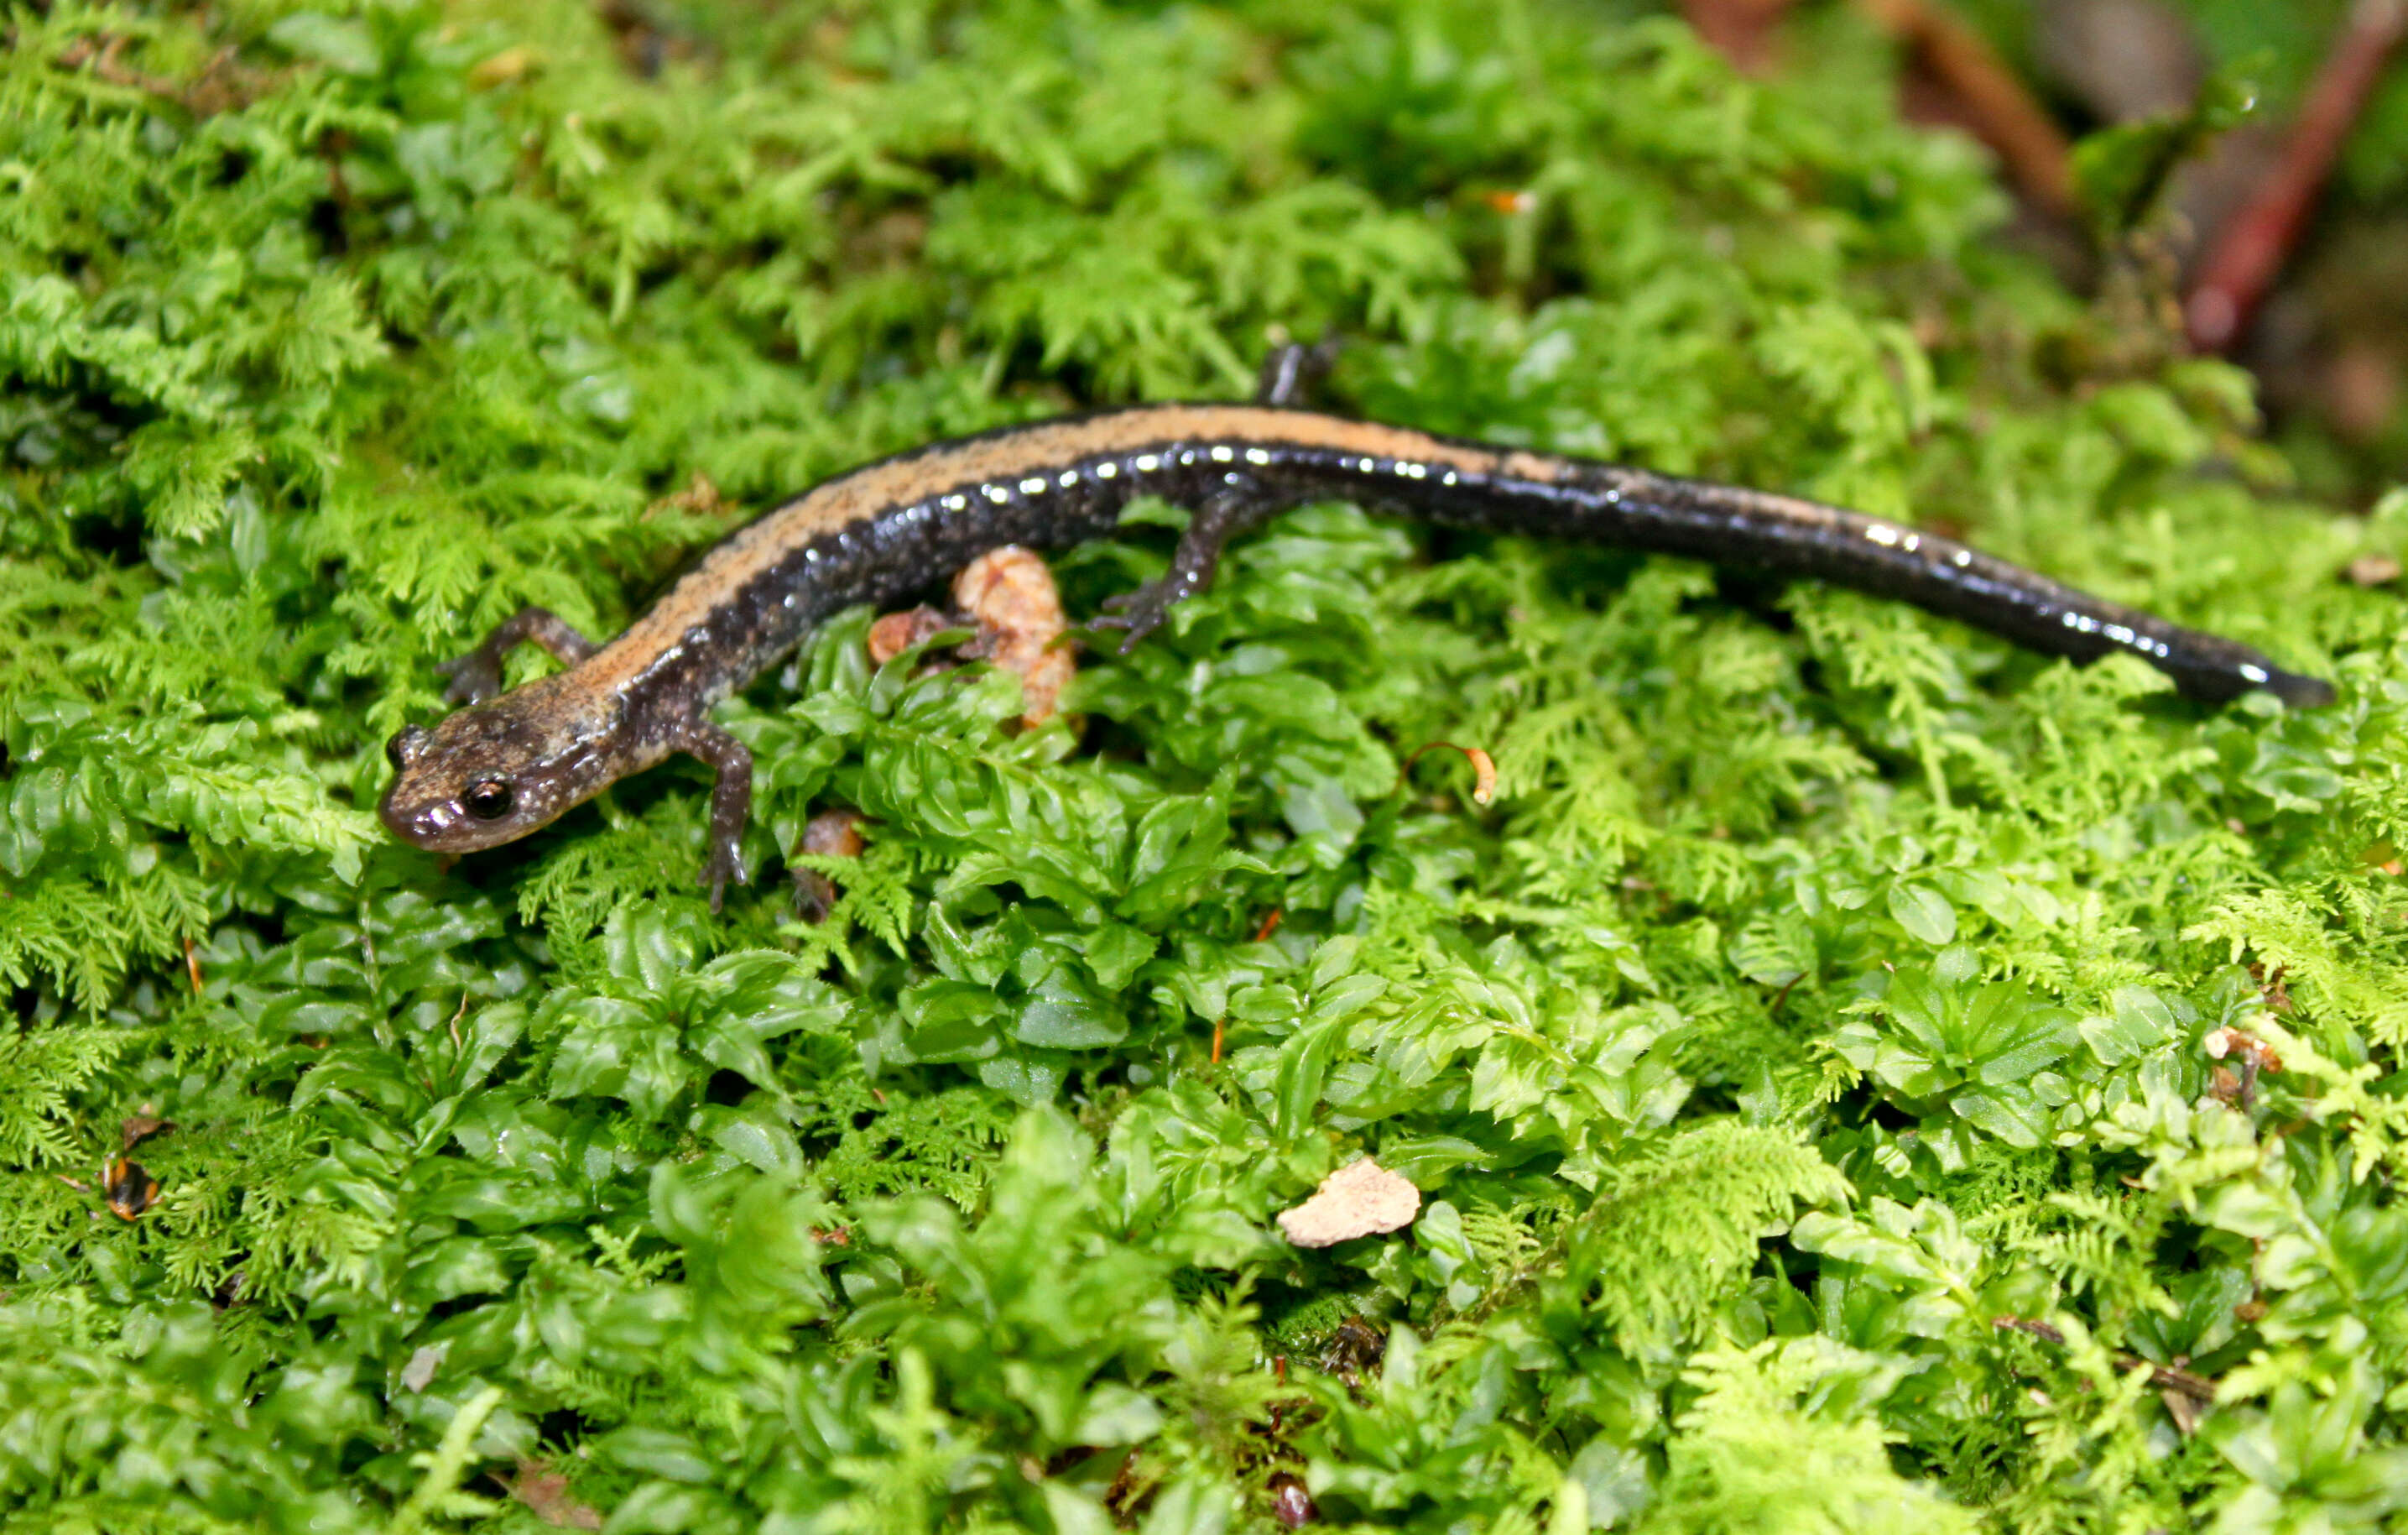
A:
[1005,458]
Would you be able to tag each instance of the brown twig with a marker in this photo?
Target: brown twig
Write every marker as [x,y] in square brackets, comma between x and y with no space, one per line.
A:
[2250,251]
[1738,30]
[1985,95]
[2199,1389]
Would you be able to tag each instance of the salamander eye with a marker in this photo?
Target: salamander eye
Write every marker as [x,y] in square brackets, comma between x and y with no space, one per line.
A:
[489,800]
[403,748]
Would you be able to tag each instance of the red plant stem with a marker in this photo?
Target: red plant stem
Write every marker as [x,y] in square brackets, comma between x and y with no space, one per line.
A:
[1738,30]
[2249,250]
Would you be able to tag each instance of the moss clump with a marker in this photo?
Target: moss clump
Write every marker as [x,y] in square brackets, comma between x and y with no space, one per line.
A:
[1826,985]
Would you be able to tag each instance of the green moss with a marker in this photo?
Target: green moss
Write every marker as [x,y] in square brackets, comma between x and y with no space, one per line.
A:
[1826,983]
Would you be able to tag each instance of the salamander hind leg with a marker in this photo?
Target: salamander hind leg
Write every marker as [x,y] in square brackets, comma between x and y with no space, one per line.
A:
[477,675]
[731,804]
[1239,505]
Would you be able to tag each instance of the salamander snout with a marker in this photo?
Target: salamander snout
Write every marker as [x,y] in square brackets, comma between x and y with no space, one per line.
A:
[452,817]
[476,780]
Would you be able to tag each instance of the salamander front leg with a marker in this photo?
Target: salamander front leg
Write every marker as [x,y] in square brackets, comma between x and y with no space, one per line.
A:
[731,803]
[1224,514]
[477,675]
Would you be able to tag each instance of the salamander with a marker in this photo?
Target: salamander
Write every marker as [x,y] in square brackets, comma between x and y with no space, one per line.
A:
[509,763]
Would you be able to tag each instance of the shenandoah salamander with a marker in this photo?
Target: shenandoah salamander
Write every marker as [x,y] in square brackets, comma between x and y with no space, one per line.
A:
[506,765]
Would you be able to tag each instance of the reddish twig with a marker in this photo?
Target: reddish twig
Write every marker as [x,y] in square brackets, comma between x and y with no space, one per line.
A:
[1738,30]
[1985,95]
[2199,1389]
[2250,251]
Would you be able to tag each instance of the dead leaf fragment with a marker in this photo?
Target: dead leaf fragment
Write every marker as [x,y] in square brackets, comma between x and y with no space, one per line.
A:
[895,633]
[2374,571]
[420,1372]
[1008,596]
[1291,1501]
[1360,1199]
[1011,592]
[830,834]
[545,1492]
[128,1187]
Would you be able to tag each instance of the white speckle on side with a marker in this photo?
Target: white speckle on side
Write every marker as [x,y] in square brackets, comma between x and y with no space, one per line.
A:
[998,495]
[1223,454]
[1255,455]
[1882,533]
[1068,478]
[957,503]
[1107,470]
[2255,674]
[1032,485]
[1147,463]
[1913,542]
[1962,558]
[1447,479]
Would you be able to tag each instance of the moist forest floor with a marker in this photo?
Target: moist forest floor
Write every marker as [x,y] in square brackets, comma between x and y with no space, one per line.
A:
[1859,1075]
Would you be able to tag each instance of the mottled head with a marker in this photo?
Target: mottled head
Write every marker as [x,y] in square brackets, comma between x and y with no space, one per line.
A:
[495,771]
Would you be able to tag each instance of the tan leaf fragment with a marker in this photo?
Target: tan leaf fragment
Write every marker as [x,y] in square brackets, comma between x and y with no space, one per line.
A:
[1011,592]
[1360,1199]
[545,1492]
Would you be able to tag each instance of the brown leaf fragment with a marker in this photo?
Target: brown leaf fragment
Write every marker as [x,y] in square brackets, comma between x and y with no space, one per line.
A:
[895,633]
[545,1492]
[2374,571]
[1360,1199]
[1291,1504]
[830,834]
[2251,1058]
[2184,1409]
[142,1126]
[1011,592]
[1009,597]
[1353,1351]
[700,498]
[128,1187]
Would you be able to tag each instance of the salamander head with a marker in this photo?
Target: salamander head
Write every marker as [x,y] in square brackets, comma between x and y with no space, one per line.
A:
[494,772]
